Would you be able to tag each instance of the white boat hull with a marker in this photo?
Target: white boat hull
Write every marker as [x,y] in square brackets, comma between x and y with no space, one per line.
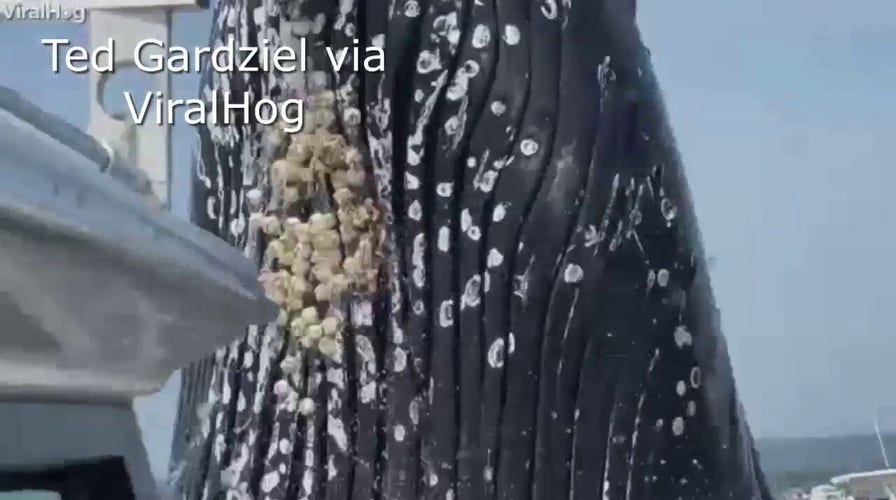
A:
[101,295]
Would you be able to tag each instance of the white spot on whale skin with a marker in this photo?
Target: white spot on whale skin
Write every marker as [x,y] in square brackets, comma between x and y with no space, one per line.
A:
[465,220]
[496,353]
[481,36]
[680,388]
[411,8]
[528,147]
[474,233]
[511,34]
[414,411]
[692,408]
[368,392]
[452,125]
[399,359]
[494,258]
[444,241]
[270,481]
[399,432]
[446,313]
[499,212]
[498,107]
[573,273]
[695,377]
[411,181]
[470,297]
[487,181]
[591,237]
[662,277]
[363,313]
[678,426]
[445,189]
[682,337]
[549,9]
[415,211]
[427,62]
[336,431]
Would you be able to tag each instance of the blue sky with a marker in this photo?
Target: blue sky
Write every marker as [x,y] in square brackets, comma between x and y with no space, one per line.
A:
[783,111]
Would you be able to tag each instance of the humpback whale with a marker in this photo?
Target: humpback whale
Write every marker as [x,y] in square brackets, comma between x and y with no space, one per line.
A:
[541,324]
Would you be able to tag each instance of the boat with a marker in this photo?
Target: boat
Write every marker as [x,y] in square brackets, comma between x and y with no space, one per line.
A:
[103,295]
[864,485]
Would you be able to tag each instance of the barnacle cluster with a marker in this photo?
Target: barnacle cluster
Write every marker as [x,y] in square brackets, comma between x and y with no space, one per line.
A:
[321,230]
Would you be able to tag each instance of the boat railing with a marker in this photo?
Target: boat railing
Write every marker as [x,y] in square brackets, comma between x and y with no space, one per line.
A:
[128,22]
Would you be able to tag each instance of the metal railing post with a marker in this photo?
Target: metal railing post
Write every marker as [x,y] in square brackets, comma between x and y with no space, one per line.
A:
[146,145]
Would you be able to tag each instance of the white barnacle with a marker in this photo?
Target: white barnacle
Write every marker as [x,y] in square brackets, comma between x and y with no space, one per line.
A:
[668,209]
[444,241]
[399,359]
[399,432]
[680,388]
[573,273]
[691,408]
[496,353]
[281,388]
[549,9]
[351,117]
[682,336]
[695,377]
[487,181]
[481,36]
[415,211]
[254,196]
[446,313]
[427,62]
[465,220]
[651,278]
[411,181]
[590,236]
[411,8]
[270,481]
[498,107]
[474,233]
[511,34]
[662,277]
[470,297]
[444,189]
[452,125]
[494,258]
[528,147]
[306,406]
[499,212]
[329,347]
[678,426]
